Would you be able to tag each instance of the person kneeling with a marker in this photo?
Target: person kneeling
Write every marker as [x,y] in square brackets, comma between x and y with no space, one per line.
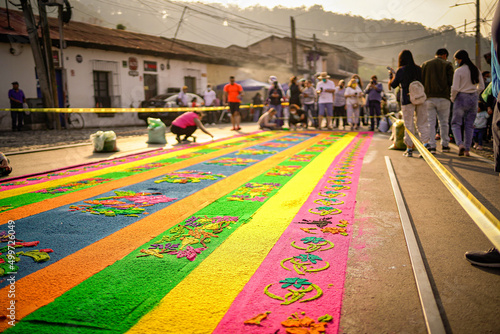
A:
[297,117]
[268,119]
[186,124]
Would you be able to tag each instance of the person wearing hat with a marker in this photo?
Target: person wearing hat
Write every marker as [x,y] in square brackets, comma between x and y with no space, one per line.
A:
[325,90]
[17,98]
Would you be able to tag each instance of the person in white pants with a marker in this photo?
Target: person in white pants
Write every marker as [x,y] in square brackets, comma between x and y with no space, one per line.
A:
[408,72]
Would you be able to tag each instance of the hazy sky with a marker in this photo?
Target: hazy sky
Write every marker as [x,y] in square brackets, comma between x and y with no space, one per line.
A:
[432,13]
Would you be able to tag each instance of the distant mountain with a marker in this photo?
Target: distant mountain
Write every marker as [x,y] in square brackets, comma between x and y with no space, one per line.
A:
[378,41]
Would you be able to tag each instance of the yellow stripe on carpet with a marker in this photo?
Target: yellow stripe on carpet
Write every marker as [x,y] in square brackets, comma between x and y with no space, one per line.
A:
[200,301]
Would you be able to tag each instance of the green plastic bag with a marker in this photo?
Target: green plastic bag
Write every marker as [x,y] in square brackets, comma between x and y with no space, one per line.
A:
[156,131]
[487,92]
[397,136]
[104,141]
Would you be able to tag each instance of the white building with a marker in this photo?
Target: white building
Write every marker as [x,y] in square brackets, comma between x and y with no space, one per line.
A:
[104,68]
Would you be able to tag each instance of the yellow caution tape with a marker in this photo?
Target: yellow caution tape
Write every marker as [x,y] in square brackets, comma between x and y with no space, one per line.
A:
[118,110]
[483,218]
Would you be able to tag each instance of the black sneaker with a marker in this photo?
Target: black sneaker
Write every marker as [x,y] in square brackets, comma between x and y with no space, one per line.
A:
[178,139]
[408,153]
[490,258]
[445,149]
[432,150]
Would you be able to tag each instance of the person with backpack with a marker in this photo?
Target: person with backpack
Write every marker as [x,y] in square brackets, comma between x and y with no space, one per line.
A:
[467,83]
[409,78]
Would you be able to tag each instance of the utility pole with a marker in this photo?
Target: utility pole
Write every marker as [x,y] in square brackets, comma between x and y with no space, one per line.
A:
[294,47]
[61,55]
[478,36]
[47,46]
[40,66]
[315,48]
[175,35]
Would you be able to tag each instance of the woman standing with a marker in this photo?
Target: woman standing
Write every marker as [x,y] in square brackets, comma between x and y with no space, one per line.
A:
[408,72]
[352,95]
[339,105]
[467,83]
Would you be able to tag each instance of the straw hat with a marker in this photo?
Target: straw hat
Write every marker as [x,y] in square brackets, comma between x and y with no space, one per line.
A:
[323,75]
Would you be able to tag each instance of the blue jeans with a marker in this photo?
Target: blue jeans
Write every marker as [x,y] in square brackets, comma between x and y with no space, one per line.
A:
[279,113]
[479,134]
[464,112]
[311,114]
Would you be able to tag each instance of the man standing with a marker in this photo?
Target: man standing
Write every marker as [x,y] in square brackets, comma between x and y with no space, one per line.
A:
[325,89]
[209,97]
[232,96]
[374,92]
[437,75]
[17,98]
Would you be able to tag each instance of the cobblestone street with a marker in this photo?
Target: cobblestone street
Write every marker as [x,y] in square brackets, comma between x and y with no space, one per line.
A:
[38,139]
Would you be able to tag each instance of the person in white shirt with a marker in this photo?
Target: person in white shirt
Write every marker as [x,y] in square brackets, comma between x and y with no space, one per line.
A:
[182,98]
[325,89]
[467,83]
[268,120]
[352,95]
[209,97]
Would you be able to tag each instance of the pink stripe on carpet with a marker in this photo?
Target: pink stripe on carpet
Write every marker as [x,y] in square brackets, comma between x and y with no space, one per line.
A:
[253,301]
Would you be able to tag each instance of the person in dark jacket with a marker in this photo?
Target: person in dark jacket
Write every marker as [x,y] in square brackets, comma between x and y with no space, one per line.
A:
[437,75]
[408,72]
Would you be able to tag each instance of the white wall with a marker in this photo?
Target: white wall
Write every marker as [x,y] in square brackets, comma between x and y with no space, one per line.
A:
[21,68]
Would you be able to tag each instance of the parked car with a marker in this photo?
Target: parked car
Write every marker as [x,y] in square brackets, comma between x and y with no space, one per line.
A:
[168,100]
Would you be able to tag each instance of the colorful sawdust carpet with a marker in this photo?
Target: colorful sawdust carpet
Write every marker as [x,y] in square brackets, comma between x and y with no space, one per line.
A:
[146,244]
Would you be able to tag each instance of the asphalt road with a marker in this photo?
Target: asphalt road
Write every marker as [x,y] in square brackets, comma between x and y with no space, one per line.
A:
[380,291]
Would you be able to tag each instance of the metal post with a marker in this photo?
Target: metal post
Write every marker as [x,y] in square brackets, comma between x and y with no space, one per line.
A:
[478,36]
[47,42]
[294,47]
[40,66]
[315,48]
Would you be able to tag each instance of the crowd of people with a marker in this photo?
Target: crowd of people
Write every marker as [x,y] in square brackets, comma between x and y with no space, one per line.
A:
[321,104]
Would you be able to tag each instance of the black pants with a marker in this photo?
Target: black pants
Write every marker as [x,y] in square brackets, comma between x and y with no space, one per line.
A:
[187,131]
[338,113]
[374,113]
[17,117]
[495,132]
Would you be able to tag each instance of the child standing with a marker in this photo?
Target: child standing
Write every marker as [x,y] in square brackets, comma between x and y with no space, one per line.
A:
[480,125]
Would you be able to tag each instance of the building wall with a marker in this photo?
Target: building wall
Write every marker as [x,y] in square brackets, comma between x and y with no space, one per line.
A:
[128,89]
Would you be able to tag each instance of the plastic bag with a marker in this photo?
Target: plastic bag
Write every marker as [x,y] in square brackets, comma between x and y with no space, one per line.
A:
[156,131]
[397,137]
[385,124]
[5,168]
[104,141]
